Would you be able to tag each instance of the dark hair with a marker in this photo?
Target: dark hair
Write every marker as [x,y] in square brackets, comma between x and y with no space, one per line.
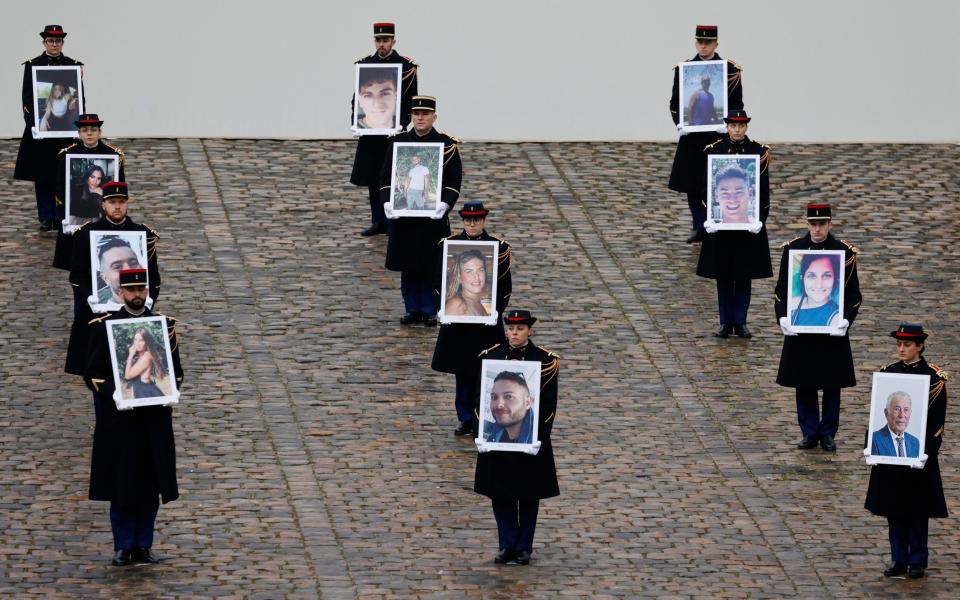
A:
[109,243]
[371,76]
[706,79]
[517,378]
[809,259]
[153,349]
[732,172]
[90,171]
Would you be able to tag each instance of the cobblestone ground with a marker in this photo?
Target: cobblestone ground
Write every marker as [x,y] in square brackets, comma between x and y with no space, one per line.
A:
[316,453]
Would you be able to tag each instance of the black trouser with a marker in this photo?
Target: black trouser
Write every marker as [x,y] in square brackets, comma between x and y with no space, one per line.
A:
[808,412]
[698,212]
[908,540]
[516,522]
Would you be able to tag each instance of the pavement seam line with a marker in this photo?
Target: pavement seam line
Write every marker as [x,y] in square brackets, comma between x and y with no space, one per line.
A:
[539,150]
[294,500]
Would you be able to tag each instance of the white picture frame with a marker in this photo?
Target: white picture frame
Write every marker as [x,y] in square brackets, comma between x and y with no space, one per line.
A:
[83,205]
[827,312]
[498,396]
[691,76]
[150,333]
[370,86]
[54,124]
[742,193]
[110,253]
[410,161]
[464,263]
[889,393]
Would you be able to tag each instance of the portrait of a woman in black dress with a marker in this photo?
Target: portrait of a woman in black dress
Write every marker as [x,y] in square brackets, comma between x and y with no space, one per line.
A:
[144,365]
[85,198]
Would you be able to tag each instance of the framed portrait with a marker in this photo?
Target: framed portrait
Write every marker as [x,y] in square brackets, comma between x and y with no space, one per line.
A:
[110,253]
[416,178]
[733,190]
[898,419]
[142,362]
[57,101]
[703,94]
[815,290]
[469,282]
[509,404]
[376,99]
[86,174]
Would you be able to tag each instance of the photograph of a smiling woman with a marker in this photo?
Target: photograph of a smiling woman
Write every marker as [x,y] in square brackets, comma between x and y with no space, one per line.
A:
[816,289]
[469,282]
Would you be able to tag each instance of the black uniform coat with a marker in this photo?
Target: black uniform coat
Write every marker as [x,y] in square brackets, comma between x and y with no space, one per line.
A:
[899,491]
[459,344]
[80,279]
[685,176]
[412,245]
[37,158]
[814,360]
[371,148]
[515,474]
[737,254]
[134,457]
[63,252]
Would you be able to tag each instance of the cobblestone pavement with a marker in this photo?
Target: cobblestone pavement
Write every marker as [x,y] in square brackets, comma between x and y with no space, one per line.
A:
[316,453]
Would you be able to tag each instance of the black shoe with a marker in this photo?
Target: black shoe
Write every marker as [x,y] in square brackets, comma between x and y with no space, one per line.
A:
[724,331]
[523,557]
[430,320]
[374,229]
[121,558]
[465,428]
[46,225]
[742,331]
[143,556]
[504,556]
[410,318]
[828,444]
[696,236]
[915,572]
[894,569]
[808,441]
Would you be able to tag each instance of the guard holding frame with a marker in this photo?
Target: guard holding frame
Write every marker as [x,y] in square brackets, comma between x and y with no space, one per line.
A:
[906,496]
[458,344]
[516,482]
[810,362]
[134,454]
[37,158]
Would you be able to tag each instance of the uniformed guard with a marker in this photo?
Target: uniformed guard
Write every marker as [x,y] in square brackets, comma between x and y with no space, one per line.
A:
[37,158]
[412,246]
[114,207]
[371,149]
[735,258]
[811,361]
[134,455]
[458,344]
[89,127]
[514,481]
[909,497]
[685,175]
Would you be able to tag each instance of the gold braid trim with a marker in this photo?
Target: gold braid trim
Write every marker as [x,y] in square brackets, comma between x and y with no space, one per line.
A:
[765,159]
[936,389]
[96,383]
[67,149]
[550,418]
[940,372]
[97,319]
[488,349]
[938,433]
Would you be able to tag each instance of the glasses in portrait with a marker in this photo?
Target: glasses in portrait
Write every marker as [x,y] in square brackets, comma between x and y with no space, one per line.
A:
[509,404]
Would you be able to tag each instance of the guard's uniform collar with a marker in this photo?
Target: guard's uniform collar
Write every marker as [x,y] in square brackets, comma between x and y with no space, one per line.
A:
[818,245]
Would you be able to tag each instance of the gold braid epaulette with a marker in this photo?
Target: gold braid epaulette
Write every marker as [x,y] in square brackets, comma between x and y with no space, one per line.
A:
[549,373]
[98,319]
[451,150]
[940,372]
[67,149]
[449,237]
[785,244]
[733,78]
[711,145]
[152,243]
[765,158]
[852,261]
[488,349]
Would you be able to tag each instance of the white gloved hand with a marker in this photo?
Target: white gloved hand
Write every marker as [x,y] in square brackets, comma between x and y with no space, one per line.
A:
[91,301]
[923,462]
[722,128]
[443,318]
[388,211]
[755,227]
[442,208]
[482,447]
[149,303]
[785,327]
[682,131]
[533,449]
[355,132]
[710,226]
[34,133]
[842,327]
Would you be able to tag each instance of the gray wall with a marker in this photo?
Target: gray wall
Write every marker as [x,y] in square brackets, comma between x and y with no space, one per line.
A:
[814,71]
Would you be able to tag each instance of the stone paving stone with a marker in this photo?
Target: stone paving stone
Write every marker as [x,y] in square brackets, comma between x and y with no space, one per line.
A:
[315,445]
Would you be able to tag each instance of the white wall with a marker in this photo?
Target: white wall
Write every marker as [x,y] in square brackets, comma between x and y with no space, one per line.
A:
[814,71]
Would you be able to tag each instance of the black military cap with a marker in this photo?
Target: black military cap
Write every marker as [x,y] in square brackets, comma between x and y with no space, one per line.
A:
[816,211]
[133,277]
[706,32]
[473,210]
[88,119]
[384,30]
[519,317]
[115,189]
[53,31]
[424,103]
[909,331]
[737,115]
